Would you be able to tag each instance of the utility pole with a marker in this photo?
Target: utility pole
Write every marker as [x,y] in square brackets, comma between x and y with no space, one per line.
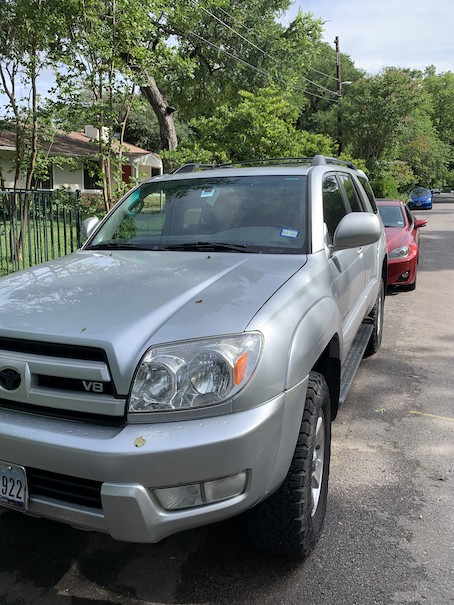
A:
[339,93]
[338,67]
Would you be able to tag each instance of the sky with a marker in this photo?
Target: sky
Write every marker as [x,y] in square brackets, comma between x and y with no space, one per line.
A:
[385,33]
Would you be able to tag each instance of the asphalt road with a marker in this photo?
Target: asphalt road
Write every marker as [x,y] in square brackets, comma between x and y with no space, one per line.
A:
[389,532]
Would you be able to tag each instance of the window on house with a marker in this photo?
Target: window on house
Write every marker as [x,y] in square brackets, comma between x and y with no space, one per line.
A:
[91,176]
[45,181]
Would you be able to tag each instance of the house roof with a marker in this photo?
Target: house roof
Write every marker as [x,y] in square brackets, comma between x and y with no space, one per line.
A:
[78,144]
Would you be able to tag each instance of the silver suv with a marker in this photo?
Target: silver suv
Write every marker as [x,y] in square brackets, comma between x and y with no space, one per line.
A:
[184,366]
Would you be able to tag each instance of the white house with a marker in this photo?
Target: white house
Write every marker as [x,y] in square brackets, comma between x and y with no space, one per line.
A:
[138,163]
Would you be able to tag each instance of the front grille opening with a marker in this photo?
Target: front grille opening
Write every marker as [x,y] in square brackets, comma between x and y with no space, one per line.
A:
[52,349]
[58,414]
[83,492]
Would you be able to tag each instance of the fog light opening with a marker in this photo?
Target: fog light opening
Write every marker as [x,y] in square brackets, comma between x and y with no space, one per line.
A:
[200,494]
[223,489]
[183,496]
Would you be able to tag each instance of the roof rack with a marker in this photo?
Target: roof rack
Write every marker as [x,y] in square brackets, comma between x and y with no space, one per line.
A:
[193,167]
[317,160]
[301,160]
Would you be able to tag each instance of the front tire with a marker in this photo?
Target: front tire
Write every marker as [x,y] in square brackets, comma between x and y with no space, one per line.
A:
[290,522]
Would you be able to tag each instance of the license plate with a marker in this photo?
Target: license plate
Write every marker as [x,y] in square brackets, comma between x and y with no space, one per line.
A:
[13,486]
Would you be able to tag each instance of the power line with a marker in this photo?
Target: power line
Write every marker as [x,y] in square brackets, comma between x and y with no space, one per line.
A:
[323,74]
[257,69]
[197,5]
[248,29]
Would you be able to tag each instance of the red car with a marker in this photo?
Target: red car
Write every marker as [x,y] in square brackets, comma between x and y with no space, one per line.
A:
[402,237]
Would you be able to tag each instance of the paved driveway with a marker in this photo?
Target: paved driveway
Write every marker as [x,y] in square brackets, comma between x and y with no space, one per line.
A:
[389,533]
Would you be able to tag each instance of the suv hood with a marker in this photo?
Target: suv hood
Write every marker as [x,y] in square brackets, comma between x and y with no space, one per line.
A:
[111,299]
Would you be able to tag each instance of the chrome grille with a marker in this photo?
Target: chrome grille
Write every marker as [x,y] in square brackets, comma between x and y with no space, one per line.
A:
[60,380]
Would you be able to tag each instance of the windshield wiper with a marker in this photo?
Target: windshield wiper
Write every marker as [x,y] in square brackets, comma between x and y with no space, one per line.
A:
[210,246]
[123,246]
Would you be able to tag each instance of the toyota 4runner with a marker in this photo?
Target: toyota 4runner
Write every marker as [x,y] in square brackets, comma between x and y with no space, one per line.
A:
[184,365]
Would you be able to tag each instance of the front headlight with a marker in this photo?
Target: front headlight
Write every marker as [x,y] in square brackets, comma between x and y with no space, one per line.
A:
[400,252]
[194,374]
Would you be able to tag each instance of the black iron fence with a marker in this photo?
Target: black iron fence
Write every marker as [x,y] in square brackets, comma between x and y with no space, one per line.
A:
[36,226]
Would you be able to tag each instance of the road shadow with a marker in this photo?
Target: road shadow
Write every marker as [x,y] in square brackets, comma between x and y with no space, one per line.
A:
[47,563]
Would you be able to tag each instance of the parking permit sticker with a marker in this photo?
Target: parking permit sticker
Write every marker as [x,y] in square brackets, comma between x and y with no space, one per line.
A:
[289,233]
[207,193]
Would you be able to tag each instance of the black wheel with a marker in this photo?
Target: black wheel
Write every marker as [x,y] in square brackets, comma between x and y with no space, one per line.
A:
[376,315]
[290,521]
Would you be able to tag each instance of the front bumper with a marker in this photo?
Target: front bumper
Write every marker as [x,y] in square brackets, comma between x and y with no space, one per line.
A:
[402,272]
[422,205]
[130,462]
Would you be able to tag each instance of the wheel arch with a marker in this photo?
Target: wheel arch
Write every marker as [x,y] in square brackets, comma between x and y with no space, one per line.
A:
[316,347]
[329,365]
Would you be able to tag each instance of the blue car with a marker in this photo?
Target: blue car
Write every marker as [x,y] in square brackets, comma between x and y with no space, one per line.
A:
[421,197]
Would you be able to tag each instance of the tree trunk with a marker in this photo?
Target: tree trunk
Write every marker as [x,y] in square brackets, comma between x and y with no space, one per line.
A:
[33,153]
[163,112]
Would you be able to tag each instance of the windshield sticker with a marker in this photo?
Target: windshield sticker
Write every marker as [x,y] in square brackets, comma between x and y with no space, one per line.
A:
[207,193]
[289,233]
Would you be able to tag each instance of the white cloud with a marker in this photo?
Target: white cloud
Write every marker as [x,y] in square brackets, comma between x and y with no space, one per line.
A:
[400,33]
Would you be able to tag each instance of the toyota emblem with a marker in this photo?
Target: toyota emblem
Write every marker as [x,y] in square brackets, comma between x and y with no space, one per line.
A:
[10,379]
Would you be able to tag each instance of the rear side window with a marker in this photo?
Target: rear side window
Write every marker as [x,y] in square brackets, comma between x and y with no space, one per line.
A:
[370,194]
[351,193]
[333,204]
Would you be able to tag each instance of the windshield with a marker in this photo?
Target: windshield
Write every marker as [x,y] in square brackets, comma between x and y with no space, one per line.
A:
[392,216]
[420,191]
[263,214]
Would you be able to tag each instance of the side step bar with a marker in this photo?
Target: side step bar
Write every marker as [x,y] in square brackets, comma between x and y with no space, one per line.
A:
[354,358]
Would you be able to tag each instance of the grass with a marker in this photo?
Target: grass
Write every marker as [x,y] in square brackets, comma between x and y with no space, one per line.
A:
[42,241]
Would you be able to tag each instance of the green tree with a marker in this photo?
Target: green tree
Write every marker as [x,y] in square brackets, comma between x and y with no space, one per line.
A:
[27,33]
[237,45]
[422,150]
[441,89]
[96,34]
[321,114]
[262,125]
[375,111]
[28,29]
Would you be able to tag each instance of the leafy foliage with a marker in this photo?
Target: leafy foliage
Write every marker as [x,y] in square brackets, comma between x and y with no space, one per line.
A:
[236,45]
[228,79]
[262,125]
[374,113]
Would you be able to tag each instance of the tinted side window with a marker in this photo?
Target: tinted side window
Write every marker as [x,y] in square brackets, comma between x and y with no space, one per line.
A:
[370,194]
[333,204]
[410,217]
[352,194]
